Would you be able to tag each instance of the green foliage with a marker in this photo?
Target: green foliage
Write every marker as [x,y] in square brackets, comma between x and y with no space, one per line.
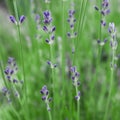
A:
[32,54]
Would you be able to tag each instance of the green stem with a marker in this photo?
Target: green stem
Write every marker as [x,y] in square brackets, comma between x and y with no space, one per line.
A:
[78,105]
[50,116]
[80,25]
[14,111]
[21,54]
[111,86]
[52,70]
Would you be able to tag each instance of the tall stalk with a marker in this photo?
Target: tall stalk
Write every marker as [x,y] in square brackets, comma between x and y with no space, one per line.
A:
[21,52]
[114,44]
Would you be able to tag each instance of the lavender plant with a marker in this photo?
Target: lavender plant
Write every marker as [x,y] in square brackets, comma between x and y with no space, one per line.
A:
[13,83]
[76,24]
[104,10]
[76,83]
[71,20]
[113,45]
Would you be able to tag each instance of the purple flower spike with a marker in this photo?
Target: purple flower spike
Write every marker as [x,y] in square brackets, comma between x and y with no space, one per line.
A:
[22,18]
[45,96]
[13,20]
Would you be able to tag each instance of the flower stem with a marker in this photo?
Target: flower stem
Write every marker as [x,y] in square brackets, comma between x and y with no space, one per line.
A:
[78,105]
[111,87]
[50,116]
[21,53]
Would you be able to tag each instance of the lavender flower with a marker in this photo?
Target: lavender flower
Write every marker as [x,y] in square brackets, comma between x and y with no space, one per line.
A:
[77,97]
[22,18]
[102,42]
[112,31]
[10,74]
[75,81]
[11,69]
[71,20]
[6,93]
[47,17]
[45,96]
[113,43]
[48,28]
[105,10]
[13,19]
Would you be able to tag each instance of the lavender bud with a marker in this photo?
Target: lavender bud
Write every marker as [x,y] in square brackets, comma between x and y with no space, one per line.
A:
[43,98]
[48,62]
[37,17]
[78,83]
[52,37]
[96,8]
[55,65]
[68,34]
[107,11]
[103,23]
[73,78]
[45,28]
[77,74]
[103,13]
[53,29]
[41,91]
[50,99]
[22,18]
[11,72]
[15,81]
[105,40]
[47,40]
[73,69]
[13,20]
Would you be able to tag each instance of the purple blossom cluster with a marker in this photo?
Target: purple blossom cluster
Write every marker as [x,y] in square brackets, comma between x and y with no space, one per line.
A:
[112,31]
[10,74]
[13,19]
[104,10]
[75,80]
[45,96]
[48,28]
[11,70]
[71,20]
[38,26]
[6,93]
